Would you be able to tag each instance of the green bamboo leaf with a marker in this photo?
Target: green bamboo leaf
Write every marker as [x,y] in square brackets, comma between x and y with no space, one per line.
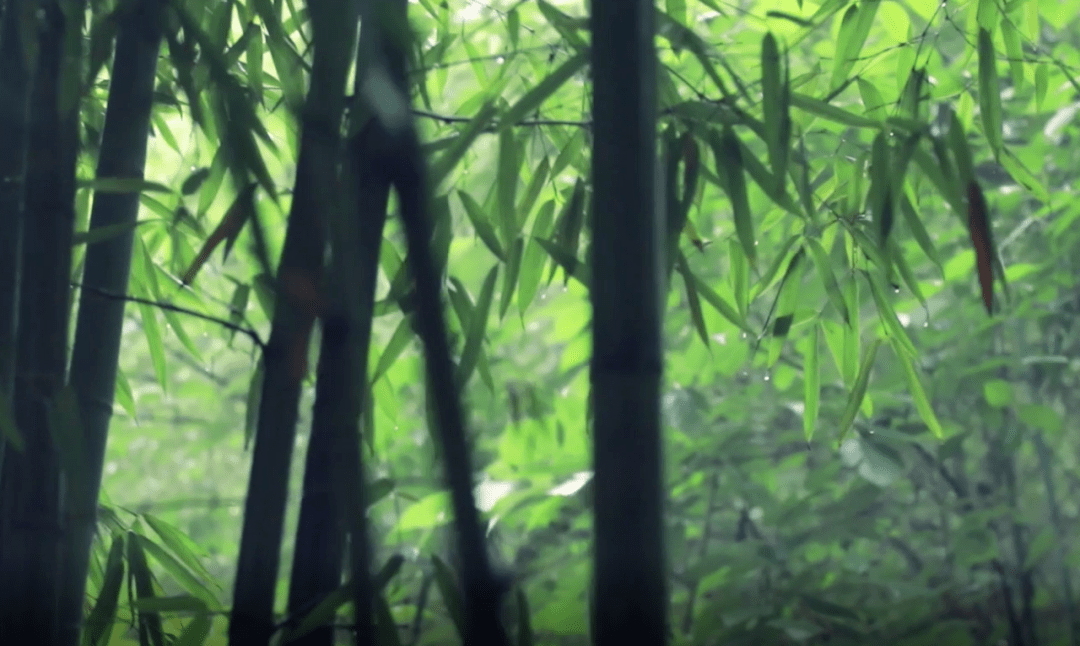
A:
[908,276]
[442,167]
[845,45]
[544,89]
[176,324]
[831,112]
[851,341]
[880,198]
[570,223]
[474,338]
[480,223]
[694,301]
[918,394]
[940,175]
[570,154]
[1023,176]
[399,340]
[122,185]
[918,231]
[858,390]
[721,306]
[729,167]
[195,632]
[811,385]
[181,546]
[873,102]
[124,397]
[787,301]
[989,92]
[193,182]
[828,278]
[99,623]
[532,264]
[143,580]
[567,26]
[888,316]
[506,181]
[740,276]
[513,269]
[532,191]
[776,91]
[1015,53]
[212,184]
[764,180]
[180,573]
[769,278]
[152,331]
[1042,82]
[682,37]
[567,260]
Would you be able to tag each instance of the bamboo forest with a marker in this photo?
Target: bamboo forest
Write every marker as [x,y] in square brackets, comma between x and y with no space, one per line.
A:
[539,322]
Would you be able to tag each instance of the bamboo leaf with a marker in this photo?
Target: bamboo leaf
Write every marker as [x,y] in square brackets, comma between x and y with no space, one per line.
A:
[506,181]
[811,385]
[831,112]
[532,264]
[544,89]
[718,303]
[828,279]
[442,167]
[480,223]
[918,394]
[888,316]
[729,167]
[513,268]
[399,340]
[694,301]
[858,390]
[102,618]
[989,92]
[776,92]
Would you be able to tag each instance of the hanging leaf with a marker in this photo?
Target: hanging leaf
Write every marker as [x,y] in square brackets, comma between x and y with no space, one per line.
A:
[513,267]
[989,92]
[858,390]
[694,301]
[828,279]
[918,394]
[729,167]
[983,242]
[811,385]
[99,623]
[776,90]
[506,181]
[542,90]
[482,225]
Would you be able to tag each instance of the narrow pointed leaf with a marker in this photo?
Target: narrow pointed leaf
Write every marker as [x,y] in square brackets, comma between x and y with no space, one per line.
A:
[828,279]
[918,393]
[983,242]
[474,338]
[811,385]
[538,94]
[730,168]
[482,225]
[989,92]
[858,390]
